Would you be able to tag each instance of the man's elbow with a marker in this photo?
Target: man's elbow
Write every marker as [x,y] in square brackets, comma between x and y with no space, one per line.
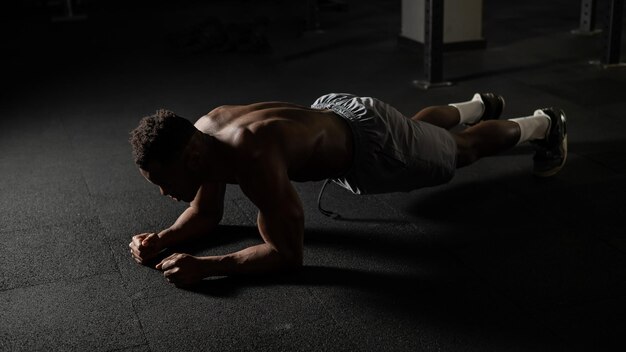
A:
[291,251]
[210,218]
[291,260]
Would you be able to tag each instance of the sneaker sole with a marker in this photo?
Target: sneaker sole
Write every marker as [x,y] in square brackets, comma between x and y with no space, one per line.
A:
[501,99]
[555,170]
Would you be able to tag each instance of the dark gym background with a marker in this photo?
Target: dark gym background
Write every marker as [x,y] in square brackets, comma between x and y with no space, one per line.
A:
[494,261]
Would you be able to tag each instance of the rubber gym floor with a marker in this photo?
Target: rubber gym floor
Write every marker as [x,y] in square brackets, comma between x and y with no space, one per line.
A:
[496,260]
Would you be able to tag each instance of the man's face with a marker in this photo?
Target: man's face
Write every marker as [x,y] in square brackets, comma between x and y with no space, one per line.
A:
[174,180]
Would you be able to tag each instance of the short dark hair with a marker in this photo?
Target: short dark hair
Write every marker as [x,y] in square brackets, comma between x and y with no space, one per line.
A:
[160,137]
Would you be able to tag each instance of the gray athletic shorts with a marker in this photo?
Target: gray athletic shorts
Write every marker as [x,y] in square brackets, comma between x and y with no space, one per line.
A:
[392,153]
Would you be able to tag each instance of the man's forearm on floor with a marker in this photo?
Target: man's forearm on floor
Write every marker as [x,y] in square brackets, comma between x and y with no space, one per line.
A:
[258,259]
[190,225]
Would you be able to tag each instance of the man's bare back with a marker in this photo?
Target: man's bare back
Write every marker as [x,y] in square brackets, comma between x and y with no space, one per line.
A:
[315,144]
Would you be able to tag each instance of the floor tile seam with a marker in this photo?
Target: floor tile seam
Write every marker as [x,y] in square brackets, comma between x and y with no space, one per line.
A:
[141,327]
[136,298]
[109,244]
[125,286]
[67,280]
[90,192]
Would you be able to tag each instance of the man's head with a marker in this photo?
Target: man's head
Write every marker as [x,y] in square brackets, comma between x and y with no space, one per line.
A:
[163,150]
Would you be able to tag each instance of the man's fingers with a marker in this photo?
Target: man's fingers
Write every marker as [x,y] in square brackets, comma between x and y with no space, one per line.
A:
[136,252]
[160,265]
[137,241]
[169,273]
[149,239]
[167,262]
[141,247]
[174,277]
[137,258]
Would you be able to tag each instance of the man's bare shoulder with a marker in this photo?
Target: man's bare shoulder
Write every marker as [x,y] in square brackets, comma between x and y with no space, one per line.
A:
[215,119]
[225,116]
[238,120]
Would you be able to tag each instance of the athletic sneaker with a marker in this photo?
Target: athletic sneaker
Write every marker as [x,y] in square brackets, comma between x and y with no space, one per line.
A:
[551,152]
[494,105]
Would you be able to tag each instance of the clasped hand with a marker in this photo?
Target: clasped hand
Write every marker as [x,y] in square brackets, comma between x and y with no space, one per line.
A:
[178,268]
[145,247]
[182,269]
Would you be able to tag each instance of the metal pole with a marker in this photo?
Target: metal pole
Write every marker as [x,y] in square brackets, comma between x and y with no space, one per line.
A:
[70,15]
[587,18]
[433,40]
[613,34]
[433,46]
[68,8]
[312,16]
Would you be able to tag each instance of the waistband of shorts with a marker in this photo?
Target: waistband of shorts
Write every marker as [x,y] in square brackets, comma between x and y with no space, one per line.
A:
[338,109]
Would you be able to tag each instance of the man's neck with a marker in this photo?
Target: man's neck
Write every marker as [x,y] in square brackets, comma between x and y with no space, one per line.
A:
[216,166]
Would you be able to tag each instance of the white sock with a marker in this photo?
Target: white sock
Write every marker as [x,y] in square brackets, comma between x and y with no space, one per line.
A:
[533,127]
[470,111]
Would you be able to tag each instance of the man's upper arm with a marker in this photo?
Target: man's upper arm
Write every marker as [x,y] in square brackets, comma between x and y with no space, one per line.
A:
[266,183]
[210,199]
[263,177]
[270,189]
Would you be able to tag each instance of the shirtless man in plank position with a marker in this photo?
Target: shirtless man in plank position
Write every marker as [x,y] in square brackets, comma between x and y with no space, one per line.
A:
[360,143]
